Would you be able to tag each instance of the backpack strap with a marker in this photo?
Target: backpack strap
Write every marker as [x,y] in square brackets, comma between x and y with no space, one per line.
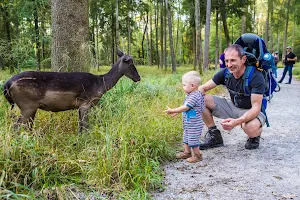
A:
[247,80]
[247,77]
[263,110]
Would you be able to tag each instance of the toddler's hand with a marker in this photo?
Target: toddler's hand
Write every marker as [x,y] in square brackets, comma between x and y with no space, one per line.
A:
[169,112]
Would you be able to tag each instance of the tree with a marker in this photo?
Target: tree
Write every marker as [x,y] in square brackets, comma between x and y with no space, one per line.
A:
[198,37]
[37,35]
[173,59]
[286,28]
[224,20]
[207,34]
[4,10]
[217,40]
[70,26]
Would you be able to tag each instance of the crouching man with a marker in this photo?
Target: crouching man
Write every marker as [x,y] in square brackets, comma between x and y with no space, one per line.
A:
[242,109]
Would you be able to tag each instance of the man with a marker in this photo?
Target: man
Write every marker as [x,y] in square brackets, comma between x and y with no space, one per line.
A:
[241,110]
[276,60]
[289,62]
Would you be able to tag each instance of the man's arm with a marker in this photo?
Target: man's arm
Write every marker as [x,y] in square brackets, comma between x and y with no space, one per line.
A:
[256,100]
[292,59]
[207,86]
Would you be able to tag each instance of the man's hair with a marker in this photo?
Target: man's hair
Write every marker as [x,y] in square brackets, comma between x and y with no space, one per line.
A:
[238,48]
[192,77]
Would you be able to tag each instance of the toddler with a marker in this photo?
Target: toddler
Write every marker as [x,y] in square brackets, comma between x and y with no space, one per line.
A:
[191,117]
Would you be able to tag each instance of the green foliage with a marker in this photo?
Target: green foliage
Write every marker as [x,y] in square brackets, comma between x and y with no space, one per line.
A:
[296,70]
[121,154]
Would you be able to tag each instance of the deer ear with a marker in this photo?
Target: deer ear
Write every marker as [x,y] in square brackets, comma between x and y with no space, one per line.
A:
[119,53]
[127,58]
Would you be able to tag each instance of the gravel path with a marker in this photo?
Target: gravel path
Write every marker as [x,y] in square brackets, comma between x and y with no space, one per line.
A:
[232,172]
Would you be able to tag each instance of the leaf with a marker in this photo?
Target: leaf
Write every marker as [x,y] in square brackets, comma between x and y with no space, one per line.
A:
[278,177]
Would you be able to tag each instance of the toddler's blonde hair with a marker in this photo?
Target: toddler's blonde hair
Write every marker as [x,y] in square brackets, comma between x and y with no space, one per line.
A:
[192,77]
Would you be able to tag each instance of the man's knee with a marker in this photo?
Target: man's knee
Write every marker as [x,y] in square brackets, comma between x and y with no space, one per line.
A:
[209,101]
[252,126]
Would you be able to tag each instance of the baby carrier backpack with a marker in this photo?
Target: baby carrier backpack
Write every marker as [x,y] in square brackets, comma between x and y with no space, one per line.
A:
[258,58]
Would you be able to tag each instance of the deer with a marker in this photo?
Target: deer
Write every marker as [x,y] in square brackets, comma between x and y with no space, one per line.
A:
[61,91]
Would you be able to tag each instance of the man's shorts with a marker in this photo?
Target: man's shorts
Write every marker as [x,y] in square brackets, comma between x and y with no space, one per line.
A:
[226,109]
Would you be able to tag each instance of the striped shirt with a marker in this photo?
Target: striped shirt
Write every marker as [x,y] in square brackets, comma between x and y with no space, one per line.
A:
[192,119]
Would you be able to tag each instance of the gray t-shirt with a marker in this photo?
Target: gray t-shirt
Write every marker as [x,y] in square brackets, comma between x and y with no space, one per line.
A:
[256,86]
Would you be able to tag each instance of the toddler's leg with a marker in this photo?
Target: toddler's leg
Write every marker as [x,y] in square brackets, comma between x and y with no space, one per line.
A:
[186,154]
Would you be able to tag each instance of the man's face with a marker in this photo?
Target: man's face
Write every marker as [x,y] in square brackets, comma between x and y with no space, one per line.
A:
[289,50]
[233,61]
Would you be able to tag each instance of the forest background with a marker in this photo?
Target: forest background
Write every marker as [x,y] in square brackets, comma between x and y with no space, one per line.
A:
[82,34]
[129,138]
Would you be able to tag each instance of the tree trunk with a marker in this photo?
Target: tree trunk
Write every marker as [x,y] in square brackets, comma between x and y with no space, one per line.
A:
[151,43]
[165,37]
[278,40]
[162,36]
[177,32]
[194,50]
[254,17]
[224,20]
[286,28]
[267,25]
[271,48]
[244,22]
[143,39]
[97,44]
[37,37]
[294,27]
[221,40]
[8,36]
[207,34]
[70,25]
[117,26]
[173,59]
[147,42]
[217,40]
[113,36]
[198,37]
[128,30]
[156,34]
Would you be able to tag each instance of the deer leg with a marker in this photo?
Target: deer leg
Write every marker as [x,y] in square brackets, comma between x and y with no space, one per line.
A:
[27,118]
[83,118]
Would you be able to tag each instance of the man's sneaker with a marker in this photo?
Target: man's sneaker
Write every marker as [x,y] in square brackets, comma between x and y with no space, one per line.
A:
[252,143]
[213,138]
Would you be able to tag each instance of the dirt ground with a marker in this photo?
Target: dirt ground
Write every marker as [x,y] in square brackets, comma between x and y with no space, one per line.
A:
[232,172]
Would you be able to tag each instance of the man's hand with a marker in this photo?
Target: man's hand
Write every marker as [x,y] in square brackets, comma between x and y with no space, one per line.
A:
[228,124]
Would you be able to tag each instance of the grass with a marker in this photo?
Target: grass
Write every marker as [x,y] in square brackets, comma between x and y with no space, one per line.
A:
[121,154]
[296,70]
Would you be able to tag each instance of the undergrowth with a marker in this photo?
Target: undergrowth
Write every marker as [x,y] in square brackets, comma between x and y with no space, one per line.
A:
[119,157]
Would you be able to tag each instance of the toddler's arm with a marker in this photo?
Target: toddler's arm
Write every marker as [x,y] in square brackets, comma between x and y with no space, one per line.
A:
[175,111]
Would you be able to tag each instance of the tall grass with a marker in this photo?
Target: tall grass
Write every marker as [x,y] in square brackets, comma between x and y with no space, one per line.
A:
[296,71]
[119,157]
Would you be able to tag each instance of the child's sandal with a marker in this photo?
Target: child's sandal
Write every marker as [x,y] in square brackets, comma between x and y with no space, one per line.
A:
[184,155]
[195,158]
